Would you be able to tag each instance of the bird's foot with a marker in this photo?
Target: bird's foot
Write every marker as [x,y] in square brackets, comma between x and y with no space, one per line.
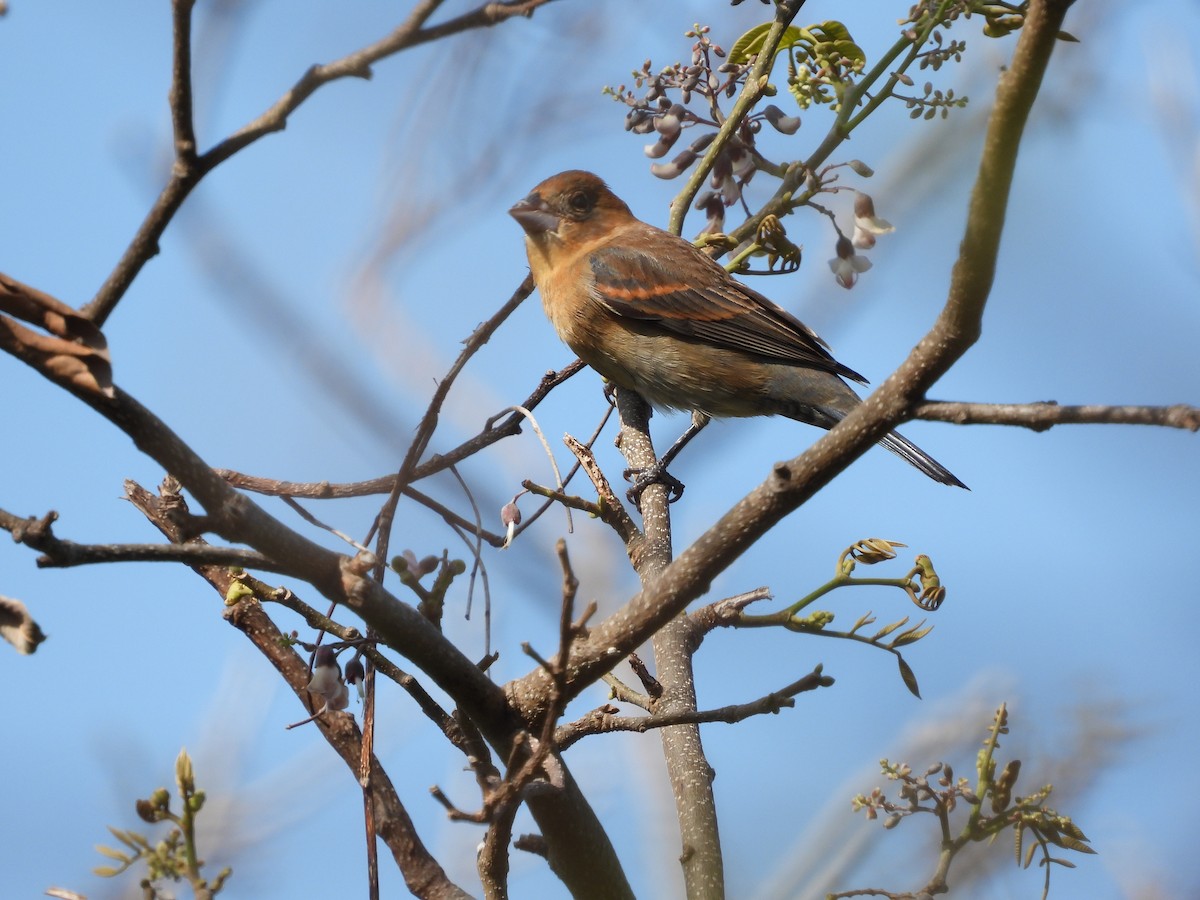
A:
[655,474]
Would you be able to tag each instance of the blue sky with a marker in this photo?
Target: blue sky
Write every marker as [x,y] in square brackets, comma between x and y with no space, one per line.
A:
[293,327]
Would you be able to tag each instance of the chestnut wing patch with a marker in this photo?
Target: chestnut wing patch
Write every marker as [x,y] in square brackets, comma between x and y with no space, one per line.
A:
[710,307]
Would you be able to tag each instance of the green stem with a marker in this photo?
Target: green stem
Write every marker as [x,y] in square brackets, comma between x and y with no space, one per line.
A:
[752,92]
[784,616]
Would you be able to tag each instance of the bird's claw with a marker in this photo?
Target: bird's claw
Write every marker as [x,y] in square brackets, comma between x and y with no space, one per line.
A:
[655,474]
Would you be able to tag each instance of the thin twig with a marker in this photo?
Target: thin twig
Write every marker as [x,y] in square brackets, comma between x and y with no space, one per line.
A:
[313,520]
[528,521]
[603,720]
[558,479]
[190,169]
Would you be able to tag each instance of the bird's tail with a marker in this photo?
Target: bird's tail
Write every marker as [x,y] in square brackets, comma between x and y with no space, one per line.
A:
[828,400]
[915,456]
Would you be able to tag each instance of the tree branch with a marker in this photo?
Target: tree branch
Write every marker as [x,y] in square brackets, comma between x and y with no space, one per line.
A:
[421,870]
[604,719]
[189,169]
[1044,415]
[61,554]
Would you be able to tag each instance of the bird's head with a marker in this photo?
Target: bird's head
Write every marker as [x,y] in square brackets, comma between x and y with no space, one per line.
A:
[569,207]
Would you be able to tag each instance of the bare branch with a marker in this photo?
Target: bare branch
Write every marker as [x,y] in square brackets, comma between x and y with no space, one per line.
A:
[728,610]
[604,719]
[189,168]
[62,554]
[610,509]
[396,829]
[326,490]
[1045,415]
[181,82]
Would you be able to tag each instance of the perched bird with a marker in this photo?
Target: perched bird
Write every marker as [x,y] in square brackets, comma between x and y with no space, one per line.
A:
[653,314]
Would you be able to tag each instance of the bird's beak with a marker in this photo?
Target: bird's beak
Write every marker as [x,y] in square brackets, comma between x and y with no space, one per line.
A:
[534,215]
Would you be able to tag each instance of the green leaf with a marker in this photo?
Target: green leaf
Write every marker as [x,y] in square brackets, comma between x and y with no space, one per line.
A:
[910,680]
[866,619]
[824,40]
[751,43]
[1072,829]
[111,853]
[888,629]
[834,36]
[911,636]
[1069,843]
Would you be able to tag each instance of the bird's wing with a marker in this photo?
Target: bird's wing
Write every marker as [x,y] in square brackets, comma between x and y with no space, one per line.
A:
[698,300]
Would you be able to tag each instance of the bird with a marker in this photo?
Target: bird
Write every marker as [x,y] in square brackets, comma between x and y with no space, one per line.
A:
[653,314]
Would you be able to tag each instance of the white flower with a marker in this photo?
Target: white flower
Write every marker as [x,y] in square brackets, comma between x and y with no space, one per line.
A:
[847,264]
[866,223]
[326,681]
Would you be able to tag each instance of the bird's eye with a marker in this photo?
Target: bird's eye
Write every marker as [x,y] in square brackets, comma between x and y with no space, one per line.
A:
[580,202]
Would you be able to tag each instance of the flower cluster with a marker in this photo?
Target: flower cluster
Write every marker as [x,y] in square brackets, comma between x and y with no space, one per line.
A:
[706,80]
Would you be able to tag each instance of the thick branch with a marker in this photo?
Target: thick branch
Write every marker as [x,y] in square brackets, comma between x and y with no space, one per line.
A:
[577,846]
[674,645]
[421,870]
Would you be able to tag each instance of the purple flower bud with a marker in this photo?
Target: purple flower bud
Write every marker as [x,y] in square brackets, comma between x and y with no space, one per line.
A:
[325,657]
[779,121]
[743,162]
[510,517]
[661,147]
[721,171]
[638,121]
[675,167]
[714,209]
[668,126]
[730,191]
[860,168]
[510,513]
